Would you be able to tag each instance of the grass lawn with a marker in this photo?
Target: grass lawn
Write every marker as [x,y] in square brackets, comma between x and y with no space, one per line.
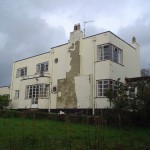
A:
[28,134]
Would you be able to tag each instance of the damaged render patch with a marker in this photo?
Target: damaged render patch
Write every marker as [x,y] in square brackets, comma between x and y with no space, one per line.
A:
[75,60]
[68,95]
[66,86]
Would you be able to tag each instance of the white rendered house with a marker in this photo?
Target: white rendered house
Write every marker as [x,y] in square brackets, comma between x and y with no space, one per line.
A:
[74,76]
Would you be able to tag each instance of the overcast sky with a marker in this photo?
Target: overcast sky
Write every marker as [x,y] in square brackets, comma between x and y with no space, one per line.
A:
[30,27]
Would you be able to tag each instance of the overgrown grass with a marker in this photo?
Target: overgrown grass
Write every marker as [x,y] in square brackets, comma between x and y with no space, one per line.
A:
[31,134]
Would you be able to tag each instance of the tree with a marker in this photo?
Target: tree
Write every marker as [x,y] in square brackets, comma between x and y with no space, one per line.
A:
[118,97]
[145,72]
[143,94]
[134,104]
[4,101]
[132,97]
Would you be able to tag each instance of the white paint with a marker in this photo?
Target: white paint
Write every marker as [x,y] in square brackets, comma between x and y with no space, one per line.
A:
[59,94]
[82,87]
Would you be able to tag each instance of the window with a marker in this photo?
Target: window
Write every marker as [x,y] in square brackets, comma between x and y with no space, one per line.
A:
[37,91]
[16,94]
[109,52]
[22,72]
[117,55]
[54,89]
[56,60]
[42,67]
[103,85]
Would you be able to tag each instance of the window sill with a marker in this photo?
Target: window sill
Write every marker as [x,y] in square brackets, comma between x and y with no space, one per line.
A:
[38,98]
[101,97]
[22,76]
[109,60]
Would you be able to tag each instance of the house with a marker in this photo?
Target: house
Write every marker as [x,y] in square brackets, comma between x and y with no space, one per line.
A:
[5,90]
[74,76]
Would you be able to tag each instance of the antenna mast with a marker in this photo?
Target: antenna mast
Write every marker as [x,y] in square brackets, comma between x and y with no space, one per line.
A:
[84,25]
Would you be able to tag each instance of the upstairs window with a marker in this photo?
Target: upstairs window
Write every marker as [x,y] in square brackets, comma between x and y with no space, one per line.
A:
[22,72]
[42,67]
[109,52]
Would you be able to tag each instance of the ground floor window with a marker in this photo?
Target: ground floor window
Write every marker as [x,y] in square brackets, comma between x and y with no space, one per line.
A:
[37,91]
[103,85]
[16,94]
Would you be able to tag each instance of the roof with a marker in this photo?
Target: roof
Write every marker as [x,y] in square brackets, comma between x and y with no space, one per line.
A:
[5,86]
[32,56]
[59,45]
[112,34]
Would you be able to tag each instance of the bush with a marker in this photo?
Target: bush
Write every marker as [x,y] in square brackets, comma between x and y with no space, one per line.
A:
[109,117]
[11,114]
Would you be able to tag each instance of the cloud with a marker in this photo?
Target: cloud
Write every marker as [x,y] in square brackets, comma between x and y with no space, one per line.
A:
[23,36]
[141,30]
[30,27]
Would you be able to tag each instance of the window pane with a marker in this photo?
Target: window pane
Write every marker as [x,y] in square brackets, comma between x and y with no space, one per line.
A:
[99,53]
[115,54]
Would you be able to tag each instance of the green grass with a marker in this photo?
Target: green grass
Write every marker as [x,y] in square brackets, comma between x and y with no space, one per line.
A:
[28,134]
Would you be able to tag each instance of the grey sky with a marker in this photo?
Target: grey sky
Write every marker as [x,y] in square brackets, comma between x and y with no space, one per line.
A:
[30,27]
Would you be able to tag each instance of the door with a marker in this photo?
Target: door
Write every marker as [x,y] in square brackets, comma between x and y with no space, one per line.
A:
[35,93]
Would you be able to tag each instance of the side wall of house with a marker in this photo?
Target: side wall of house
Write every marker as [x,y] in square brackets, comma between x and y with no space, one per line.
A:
[107,69]
[32,78]
[131,63]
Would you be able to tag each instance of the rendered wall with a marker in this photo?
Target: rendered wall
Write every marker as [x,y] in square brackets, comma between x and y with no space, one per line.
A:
[20,83]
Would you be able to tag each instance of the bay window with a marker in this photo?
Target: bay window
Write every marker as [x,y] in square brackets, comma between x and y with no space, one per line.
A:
[37,91]
[109,52]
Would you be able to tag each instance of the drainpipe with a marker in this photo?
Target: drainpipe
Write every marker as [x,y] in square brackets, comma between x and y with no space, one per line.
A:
[93,108]
[11,92]
[50,87]
[49,104]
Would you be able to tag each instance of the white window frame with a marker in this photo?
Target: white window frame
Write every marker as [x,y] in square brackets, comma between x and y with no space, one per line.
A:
[119,55]
[22,72]
[42,67]
[37,91]
[110,53]
[103,85]
[16,94]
